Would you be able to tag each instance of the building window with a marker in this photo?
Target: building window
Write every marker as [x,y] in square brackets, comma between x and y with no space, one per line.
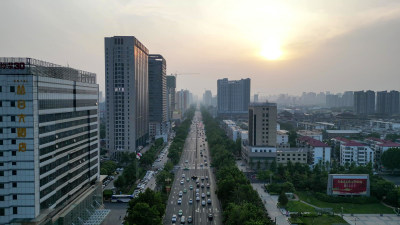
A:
[1,173]
[1,142]
[14,172]
[1,130]
[12,103]
[1,198]
[2,212]
[1,103]
[12,88]
[1,119]
[14,184]
[13,141]
[12,118]
[15,197]
[15,210]
[14,163]
[13,130]
[14,153]
[1,186]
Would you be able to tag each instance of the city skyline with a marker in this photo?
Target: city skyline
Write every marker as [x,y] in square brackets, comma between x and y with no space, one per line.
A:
[315,43]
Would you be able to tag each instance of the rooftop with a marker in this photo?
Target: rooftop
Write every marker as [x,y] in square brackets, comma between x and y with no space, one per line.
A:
[308,132]
[347,142]
[343,131]
[312,142]
[24,66]
[261,104]
[384,143]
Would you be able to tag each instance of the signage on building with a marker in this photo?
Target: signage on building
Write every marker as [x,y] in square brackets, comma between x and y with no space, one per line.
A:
[348,184]
[12,65]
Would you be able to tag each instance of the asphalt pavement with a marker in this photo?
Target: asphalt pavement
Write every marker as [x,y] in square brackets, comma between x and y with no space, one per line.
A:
[194,163]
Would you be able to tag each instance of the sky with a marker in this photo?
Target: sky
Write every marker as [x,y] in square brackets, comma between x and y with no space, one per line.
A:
[283,46]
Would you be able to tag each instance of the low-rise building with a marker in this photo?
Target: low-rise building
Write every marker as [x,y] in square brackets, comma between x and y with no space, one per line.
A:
[294,155]
[354,151]
[342,133]
[379,146]
[254,154]
[282,137]
[315,134]
[318,150]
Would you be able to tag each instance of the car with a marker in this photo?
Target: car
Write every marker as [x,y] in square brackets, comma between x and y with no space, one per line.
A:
[191,187]
[180,212]
[197,198]
[203,203]
[197,190]
[210,216]
[206,177]
[194,177]
[198,184]
[190,201]
[202,178]
[180,194]
[206,164]
[203,195]
[182,182]
[174,218]
[197,194]
[183,175]
[186,161]
[208,185]
[201,165]
[183,220]
[208,193]
[190,220]
[179,201]
[209,201]
[184,190]
[187,179]
[202,185]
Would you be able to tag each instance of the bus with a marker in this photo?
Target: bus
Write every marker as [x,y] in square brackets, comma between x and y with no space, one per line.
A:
[121,198]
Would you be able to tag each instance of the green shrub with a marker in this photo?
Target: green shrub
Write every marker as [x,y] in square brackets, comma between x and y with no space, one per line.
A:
[340,199]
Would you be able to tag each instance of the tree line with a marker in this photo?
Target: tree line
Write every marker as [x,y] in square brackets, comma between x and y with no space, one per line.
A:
[240,203]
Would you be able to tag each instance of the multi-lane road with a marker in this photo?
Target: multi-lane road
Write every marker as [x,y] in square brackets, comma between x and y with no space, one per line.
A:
[194,163]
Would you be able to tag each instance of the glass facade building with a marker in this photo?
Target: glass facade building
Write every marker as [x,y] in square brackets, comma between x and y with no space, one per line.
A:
[49,137]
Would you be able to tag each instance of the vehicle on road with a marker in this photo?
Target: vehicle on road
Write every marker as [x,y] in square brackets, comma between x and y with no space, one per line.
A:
[209,201]
[208,185]
[203,195]
[190,220]
[187,179]
[174,218]
[179,201]
[182,182]
[184,190]
[210,216]
[190,201]
[206,177]
[202,185]
[180,212]
[180,194]
[203,203]
[208,193]
[197,198]
[183,220]
[191,187]
[121,198]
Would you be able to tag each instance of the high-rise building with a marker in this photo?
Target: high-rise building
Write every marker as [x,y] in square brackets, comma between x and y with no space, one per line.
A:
[49,143]
[233,96]
[262,124]
[255,98]
[364,102]
[387,103]
[171,85]
[157,96]
[207,98]
[127,94]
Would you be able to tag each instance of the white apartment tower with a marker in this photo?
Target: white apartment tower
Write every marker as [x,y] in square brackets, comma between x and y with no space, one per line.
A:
[127,93]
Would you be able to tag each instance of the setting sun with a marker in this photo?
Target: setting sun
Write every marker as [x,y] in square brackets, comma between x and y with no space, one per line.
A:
[271,51]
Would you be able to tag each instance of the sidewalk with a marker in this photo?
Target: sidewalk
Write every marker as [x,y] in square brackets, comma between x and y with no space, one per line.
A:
[270,203]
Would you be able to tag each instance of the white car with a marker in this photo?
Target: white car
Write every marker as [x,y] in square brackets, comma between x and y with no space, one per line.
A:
[174,218]
[203,195]
[180,194]
[179,201]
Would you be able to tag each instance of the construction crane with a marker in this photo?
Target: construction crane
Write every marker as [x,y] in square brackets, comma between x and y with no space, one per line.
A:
[178,74]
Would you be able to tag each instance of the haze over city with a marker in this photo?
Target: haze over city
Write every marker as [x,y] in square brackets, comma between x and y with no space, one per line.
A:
[284,47]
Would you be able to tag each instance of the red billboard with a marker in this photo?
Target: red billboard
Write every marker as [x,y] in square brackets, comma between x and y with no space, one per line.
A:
[343,186]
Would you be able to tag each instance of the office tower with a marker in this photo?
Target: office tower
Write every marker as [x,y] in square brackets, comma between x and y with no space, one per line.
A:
[49,143]
[364,102]
[262,124]
[387,103]
[157,96]
[127,94]
[207,98]
[182,99]
[233,96]
[171,85]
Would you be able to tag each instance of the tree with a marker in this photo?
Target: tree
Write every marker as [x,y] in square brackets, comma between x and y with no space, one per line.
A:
[273,166]
[258,165]
[374,135]
[292,138]
[283,200]
[143,214]
[392,137]
[391,158]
